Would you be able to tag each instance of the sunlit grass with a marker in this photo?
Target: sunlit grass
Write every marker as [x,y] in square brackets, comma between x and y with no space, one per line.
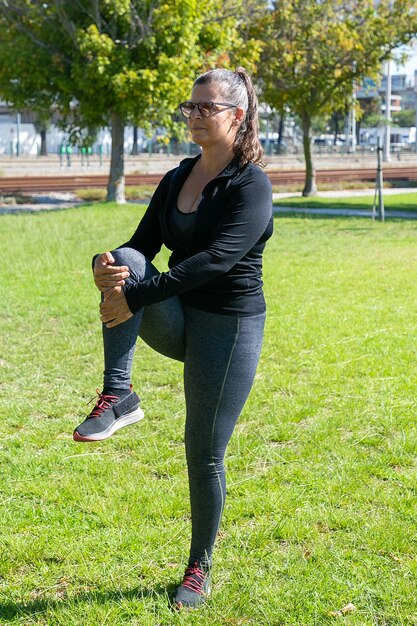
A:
[322,501]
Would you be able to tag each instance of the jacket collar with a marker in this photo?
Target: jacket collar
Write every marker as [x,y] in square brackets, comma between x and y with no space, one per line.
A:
[231,169]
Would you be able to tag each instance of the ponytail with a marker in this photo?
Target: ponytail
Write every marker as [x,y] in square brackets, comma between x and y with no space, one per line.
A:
[247,145]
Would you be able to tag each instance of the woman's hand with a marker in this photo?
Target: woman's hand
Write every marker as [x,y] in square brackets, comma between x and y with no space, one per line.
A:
[114,309]
[107,275]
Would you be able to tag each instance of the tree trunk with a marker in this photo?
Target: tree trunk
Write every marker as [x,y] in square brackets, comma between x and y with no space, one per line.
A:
[281,126]
[116,186]
[135,150]
[280,144]
[336,128]
[310,188]
[43,149]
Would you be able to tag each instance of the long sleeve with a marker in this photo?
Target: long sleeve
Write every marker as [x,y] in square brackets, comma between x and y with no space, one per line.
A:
[243,222]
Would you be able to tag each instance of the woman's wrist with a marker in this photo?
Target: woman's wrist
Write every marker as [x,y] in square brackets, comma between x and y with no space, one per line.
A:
[130,295]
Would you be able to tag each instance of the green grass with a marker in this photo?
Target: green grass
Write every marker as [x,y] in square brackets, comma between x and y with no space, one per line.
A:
[322,496]
[396,202]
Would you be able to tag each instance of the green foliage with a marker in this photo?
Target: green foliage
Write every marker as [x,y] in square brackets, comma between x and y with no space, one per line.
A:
[126,57]
[368,113]
[404,118]
[23,79]
[319,124]
[316,51]
[369,106]
[111,62]
[374,120]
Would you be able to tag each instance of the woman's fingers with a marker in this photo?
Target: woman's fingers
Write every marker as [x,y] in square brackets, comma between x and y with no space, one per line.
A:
[106,285]
[107,276]
[104,264]
[114,309]
[118,320]
[111,270]
[107,257]
[111,278]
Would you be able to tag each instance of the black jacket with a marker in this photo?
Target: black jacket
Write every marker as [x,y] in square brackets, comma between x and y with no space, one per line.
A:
[222,270]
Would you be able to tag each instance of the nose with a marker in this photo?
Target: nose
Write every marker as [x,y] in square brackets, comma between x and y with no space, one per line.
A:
[195,112]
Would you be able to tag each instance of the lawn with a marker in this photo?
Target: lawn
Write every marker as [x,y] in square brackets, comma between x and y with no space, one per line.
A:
[394,202]
[322,498]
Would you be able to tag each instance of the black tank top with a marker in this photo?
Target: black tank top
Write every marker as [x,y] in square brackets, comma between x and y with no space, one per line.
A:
[181,225]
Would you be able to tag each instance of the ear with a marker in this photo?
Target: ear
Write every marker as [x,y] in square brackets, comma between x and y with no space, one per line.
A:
[239,115]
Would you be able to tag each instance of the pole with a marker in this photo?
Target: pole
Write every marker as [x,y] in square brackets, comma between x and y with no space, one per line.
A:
[387,146]
[347,132]
[380,183]
[18,122]
[353,126]
[416,133]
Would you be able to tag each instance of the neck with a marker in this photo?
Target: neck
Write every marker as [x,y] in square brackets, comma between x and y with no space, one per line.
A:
[215,160]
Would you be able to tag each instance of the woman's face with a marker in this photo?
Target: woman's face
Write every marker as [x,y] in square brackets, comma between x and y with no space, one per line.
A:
[218,129]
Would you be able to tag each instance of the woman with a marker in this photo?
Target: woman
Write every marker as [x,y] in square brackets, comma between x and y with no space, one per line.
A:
[214,212]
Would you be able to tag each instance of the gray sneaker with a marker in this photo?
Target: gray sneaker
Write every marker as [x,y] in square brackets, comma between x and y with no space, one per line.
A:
[108,415]
[194,589]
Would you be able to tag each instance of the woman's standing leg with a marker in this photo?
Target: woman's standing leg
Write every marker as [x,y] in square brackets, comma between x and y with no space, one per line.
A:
[222,353]
[160,325]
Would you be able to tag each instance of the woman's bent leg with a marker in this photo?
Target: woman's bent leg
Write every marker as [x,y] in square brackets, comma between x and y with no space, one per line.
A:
[163,328]
[160,325]
[222,354]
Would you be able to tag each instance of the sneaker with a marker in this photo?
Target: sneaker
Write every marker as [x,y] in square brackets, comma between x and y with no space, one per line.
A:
[108,415]
[194,589]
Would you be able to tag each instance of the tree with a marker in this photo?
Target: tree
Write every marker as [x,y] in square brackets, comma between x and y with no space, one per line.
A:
[405,118]
[34,97]
[336,121]
[369,113]
[316,50]
[41,124]
[113,62]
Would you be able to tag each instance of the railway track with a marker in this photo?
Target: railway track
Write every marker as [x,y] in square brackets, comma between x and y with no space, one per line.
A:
[37,184]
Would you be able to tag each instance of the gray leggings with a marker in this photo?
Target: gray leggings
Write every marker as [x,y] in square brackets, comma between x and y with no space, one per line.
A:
[220,355]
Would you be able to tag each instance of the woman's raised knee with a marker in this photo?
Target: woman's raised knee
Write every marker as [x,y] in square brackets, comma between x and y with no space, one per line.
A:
[134,260]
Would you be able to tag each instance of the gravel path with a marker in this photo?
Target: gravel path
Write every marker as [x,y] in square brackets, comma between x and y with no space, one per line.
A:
[44,202]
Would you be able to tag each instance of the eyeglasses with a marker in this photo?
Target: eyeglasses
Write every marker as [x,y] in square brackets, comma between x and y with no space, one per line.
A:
[206,109]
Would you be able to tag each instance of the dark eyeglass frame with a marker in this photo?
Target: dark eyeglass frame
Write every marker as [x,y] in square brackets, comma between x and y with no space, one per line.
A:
[209,104]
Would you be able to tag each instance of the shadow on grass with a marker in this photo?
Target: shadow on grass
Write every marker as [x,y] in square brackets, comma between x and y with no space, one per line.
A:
[26,210]
[343,205]
[306,215]
[315,214]
[12,610]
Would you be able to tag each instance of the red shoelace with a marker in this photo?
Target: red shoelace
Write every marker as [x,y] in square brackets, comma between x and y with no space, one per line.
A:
[194,578]
[104,402]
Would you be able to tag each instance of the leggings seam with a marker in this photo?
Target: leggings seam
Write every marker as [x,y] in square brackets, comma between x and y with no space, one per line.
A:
[215,419]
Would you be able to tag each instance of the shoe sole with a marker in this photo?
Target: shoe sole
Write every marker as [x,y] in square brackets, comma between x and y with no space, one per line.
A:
[127,420]
[182,607]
